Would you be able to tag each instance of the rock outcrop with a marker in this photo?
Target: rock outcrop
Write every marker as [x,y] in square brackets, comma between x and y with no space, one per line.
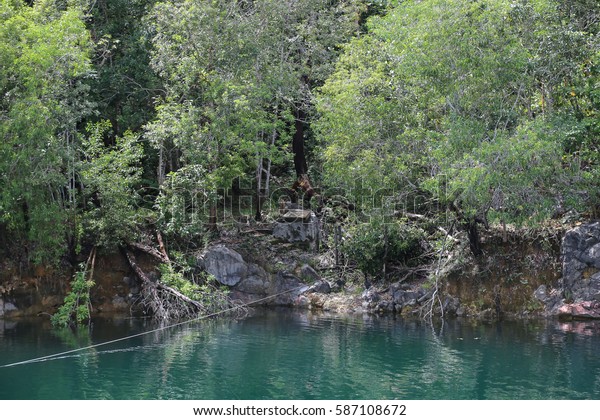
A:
[228,266]
[6,307]
[581,263]
[249,281]
[578,292]
[580,310]
[552,299]
[301,227]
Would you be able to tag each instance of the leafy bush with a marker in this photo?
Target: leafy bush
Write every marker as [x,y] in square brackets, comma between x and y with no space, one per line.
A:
[110,176]
[212,298]
[372,244]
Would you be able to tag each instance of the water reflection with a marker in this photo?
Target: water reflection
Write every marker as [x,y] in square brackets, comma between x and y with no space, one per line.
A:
[298,355]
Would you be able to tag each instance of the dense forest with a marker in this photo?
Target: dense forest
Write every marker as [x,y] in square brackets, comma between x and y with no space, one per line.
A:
[121,120]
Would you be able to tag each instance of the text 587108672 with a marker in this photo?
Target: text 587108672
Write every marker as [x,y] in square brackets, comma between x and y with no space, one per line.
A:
[370,410]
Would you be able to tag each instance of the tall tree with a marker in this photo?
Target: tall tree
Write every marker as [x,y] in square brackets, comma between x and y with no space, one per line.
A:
[468,102]
[239,77]
[45,53]
[125,86]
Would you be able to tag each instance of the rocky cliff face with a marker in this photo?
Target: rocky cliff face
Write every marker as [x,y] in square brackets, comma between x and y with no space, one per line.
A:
[581,263]
[39,291]
[249,281]
[580,283]
[513,278]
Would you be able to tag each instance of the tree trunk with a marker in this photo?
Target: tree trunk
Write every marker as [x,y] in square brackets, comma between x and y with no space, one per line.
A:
[474,239]
[150,251]
[470,225]
[385,252]
[298,145]
[259,175]
[161,169]
[268,173]
[263,193]
[162,247]
[142,276]
[212,218]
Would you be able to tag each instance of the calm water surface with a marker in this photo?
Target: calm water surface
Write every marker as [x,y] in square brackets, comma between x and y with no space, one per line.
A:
[291,355]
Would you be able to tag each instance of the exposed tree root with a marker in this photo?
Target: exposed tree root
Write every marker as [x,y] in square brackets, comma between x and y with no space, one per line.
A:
[429,305]
[166,303]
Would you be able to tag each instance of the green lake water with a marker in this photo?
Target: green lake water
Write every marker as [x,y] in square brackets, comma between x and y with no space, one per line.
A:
[281,354]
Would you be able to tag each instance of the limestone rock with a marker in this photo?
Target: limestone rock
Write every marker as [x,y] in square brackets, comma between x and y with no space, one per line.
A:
[228,267]
[303,231]
[249,281]
[320,287]
[309,273]
[337,286]
[302,302]
[370,296]
[580,310]
[6,307]
[286,282]
[581,261]
[551,298]
[373,302]
[580,250]
[451,305]
[541,293]
[297,215]
[405,297]
[256,283]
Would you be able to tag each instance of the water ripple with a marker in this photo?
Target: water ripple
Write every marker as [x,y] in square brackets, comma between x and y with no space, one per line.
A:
[291,355]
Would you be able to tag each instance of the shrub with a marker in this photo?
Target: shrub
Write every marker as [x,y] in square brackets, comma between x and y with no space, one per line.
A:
[76,307]
[372,244]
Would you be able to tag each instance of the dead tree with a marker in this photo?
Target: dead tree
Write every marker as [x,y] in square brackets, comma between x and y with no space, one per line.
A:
[163,301]
[167,303]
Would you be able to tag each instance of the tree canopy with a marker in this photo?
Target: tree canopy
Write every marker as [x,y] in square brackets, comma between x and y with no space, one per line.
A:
[116,114]
[477,105]
[45,67]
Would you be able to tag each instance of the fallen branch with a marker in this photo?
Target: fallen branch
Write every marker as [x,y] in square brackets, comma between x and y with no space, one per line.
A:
[180,295]
[408,215]
[161,244]
[150,251]
[433,297]
[413,272]
[136,268]
[140,273]
[155,301]
[447,234]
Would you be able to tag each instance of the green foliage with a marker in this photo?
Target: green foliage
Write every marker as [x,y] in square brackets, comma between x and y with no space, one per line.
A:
[234,86]
[110,176]
[44,51]
[516,177]
[124,86]
[76,307]
[183,203]
[210,297]
[375,243]
[488,107]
